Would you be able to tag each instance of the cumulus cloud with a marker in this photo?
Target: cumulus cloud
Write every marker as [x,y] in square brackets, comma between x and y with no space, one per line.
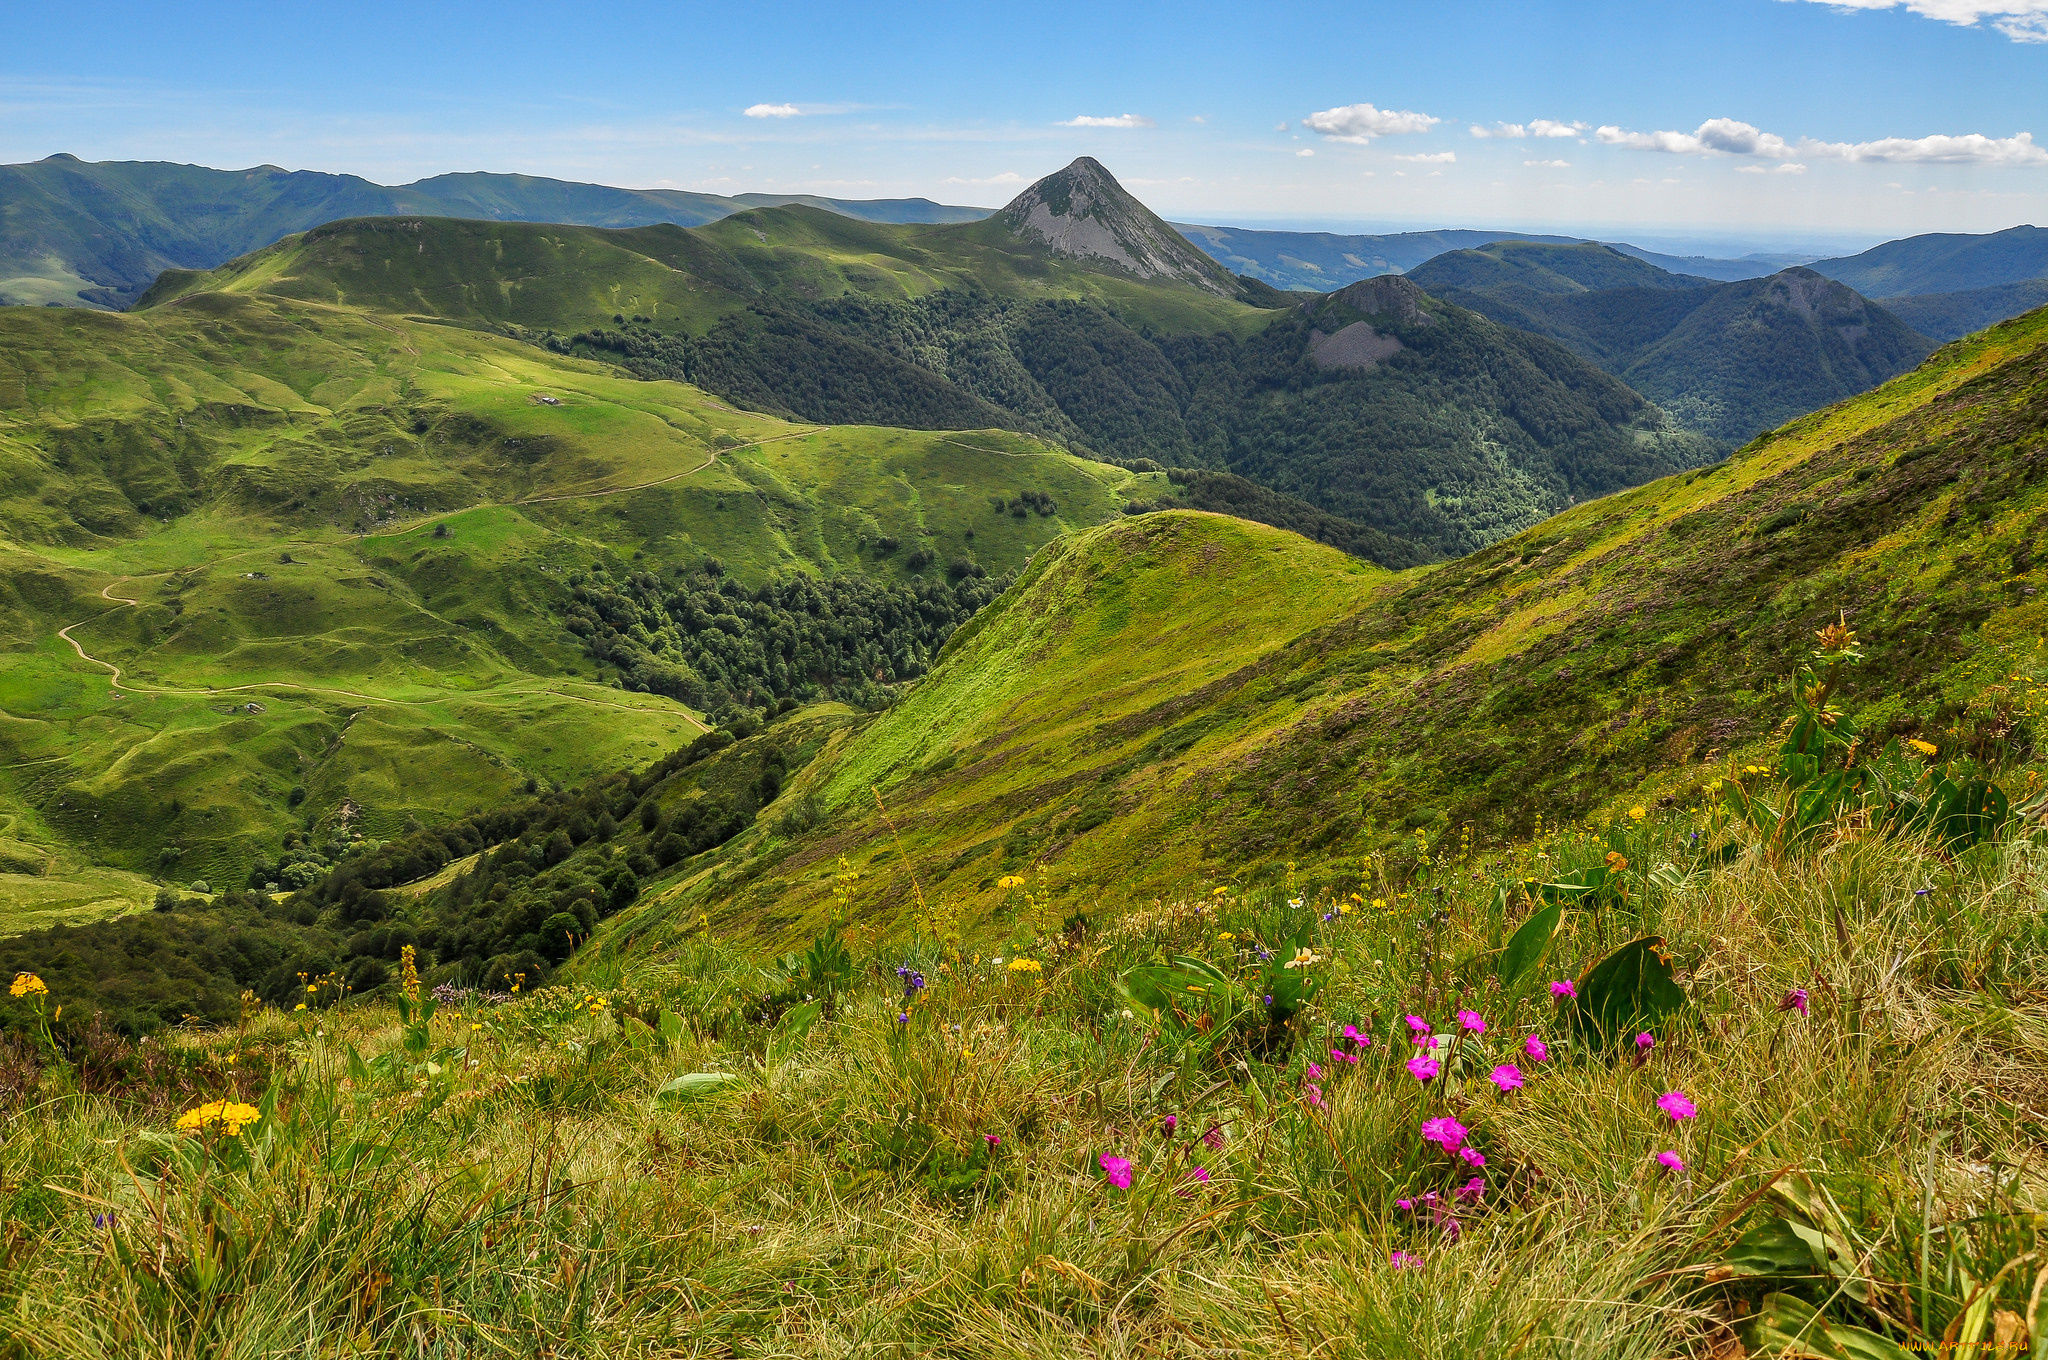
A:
[1535,127]
[1006,177]
[1306,151]
[2021,20]
[1550,165]
[1785,168]
[1362,122]
[1433,158]
[772,110]
[1732,137]
[1121,120]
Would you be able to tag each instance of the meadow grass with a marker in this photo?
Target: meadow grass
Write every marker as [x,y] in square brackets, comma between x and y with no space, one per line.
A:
[506,1176]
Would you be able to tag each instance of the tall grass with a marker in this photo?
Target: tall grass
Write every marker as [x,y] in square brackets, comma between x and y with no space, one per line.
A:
[504,1179]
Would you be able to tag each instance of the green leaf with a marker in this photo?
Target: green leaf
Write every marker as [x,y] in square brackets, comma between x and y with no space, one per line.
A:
[1786,1326]
[1528,945]
[786,1040]
[1632,988]
[1770,1248]
[693,1084]
[670,1026]
[639,1034]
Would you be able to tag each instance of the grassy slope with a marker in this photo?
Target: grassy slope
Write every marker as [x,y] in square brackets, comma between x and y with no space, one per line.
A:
[1626,647]
[414,676]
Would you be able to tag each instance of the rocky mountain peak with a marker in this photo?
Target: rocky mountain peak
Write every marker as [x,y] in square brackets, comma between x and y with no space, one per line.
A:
[1081,212]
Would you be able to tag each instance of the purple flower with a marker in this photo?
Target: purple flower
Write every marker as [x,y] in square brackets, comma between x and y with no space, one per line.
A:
[1213,1138]
[1670,1161]
[1645,1042]
[1423,1069]
[1563,990]
[1472,1021]
[1406,1205]
[1269,998]
[1117,1169]
[1445,1132]
[1169,1124]
[1471,1190]
[1507,1076]
[1535,1048]
[1471,1156]
[903,1017]
[1401,1260]
[1795,1000]
[1419,1028]
[1678,1105]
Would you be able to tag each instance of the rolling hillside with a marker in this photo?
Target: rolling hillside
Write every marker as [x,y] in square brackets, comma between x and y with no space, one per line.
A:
[97,234]
[1727,359]
[1948,284]
[1088,732]
[1075,315]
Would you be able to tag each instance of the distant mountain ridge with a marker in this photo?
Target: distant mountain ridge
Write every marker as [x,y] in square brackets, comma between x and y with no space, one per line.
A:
[98,233]
[1727,359]
[1082,213]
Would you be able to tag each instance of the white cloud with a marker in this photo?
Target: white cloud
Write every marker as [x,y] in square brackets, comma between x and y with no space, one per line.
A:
[2021,20]
[1121,120]
[1006,177]
[1550,165]
[1279,127]
[1362,122]
[1306,151]
[1535,127]
[1731,137]
[772,110]
[1434,158]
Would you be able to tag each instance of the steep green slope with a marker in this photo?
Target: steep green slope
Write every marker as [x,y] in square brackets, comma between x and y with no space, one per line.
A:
[99,233]
[368,529]
[1726,359]
[1626,650]
[1951,316]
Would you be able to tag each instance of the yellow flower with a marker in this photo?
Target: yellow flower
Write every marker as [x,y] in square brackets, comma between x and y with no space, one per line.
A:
[1225,935]
[229,1116]
[1637,812]
[28,984]
[1220,892]
[1925,748]
[1379,902]
[1026,966]
[1009,881]
[301,1006]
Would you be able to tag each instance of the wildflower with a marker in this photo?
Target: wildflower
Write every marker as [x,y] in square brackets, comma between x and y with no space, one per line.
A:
[1269,998]
[1795,1000]
[1678,1105]
[1423,1069]
[1507,1076]
[1405,1205]
[1471,1156]
[1026,966]
[1644,1043]
[28,984]
[1339,1055]
[229,1116]
[301,1006]
[1117,1169]
[1563,991]
[903,1017]
[1169,1124]
[1303,958]
[1315,1095]
[1637,813]
[1670,1161]
[1925,748]
[1127,1015]
[1445,1132]
[1351,1033]
[1200,1173]
[1213,1138]
[1472,1021]
[103,1220]
[992,1140]
[1225,936]
[1315,1073]
[1535,1048]
[1401,1260]
[1418,1028]
[1009,881]
[1471,1191]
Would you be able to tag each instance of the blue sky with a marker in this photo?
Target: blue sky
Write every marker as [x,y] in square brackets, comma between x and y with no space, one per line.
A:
[1755,122]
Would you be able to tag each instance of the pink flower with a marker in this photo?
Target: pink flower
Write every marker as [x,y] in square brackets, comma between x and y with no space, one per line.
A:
[1471,1190]
[1423,1069]
[1563,990]
[1406,1205]
[1315,1073]
[1535,1048]
[1315,1095]
[1199,1175]
[1645,1042]
[1169,1124]
[1445,1132]
[1351,1033]
[1472,1021]
[1471,1156]
[1213,1138]
[1418,1029]
[1403,1261]
[991,1139]
[1670,1161]
[1507,1076]
[1795,1000]
[1677,1105]
[1117,1169]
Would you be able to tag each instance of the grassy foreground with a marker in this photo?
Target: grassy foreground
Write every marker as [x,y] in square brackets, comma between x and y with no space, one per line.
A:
[677,1156]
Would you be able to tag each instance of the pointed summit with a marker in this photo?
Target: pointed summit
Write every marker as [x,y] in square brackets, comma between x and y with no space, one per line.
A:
[1082,212]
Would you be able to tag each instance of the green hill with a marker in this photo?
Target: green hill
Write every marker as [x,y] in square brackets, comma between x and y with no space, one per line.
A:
[97,234]
[1943,262]
[1951,316]
[1726,359]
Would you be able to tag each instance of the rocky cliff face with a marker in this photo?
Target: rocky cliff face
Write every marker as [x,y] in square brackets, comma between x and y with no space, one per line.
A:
[1081,212]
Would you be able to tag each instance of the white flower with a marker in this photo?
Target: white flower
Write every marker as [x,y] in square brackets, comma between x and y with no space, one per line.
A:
[1302,959]
[1127,1015]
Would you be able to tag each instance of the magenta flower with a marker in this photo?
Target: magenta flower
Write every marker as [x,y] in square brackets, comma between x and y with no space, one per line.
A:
[1471,1190]
[1351,1033]
[1423,1069]
[1200,1175]
[1315,1095]
[1406,1205]
[1471,1156]
[1169,1124]
[1315,1072]
[1403,1261]
[1472,1021]
[1507,1076]
[1563,990]
[1117,1169]
[991,1139]
[1535,1048]
[1213,1138]
[1445,1132]
[1678,1105]
[1645,1042]
[1670,1161]
[1795,1000]
[1418,1029]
